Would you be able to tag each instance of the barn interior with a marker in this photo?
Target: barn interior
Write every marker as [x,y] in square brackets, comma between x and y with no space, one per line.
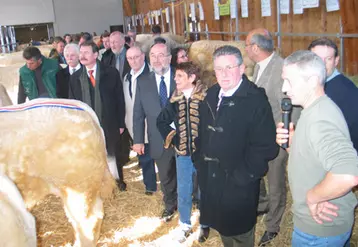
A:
[131,217]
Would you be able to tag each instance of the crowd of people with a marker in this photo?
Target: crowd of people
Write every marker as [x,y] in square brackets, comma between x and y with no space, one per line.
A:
[216,146]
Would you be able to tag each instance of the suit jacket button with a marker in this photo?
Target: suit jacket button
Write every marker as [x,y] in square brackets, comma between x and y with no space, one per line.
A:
[214,175]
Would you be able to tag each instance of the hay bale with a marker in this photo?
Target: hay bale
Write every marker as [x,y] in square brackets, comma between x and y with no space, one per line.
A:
[9,70]
[142,38]
[201,53]
[9,78]
[4,97]
[16,57]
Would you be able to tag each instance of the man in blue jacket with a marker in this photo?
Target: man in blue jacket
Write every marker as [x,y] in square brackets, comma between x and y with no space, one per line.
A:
[339,88]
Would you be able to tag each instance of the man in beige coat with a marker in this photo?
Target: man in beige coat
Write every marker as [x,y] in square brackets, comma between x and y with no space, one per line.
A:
[139,67]
[267,74]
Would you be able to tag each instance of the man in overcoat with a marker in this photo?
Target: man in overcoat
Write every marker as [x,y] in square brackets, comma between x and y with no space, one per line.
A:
[236,141]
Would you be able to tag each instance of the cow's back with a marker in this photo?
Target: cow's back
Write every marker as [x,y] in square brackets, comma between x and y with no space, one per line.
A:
[57,143]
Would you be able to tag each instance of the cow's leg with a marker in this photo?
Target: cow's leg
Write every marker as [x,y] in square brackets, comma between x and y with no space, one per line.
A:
[86,218]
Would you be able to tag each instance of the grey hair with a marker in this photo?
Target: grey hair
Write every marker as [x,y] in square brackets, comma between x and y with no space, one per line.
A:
[228,50]
[308,64]
[169,51]
[138,46]
[265,42]
[121,35]
[74,46]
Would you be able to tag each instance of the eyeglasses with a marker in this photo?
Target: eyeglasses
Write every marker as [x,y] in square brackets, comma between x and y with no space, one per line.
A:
[159,56]
[133,58]
[227,68]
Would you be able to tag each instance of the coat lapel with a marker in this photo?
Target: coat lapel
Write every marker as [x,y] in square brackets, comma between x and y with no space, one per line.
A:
[153,88]
[172,81]
[265,77]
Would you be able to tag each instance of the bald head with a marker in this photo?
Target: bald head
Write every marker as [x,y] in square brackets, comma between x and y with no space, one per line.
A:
[135,57]
[259,44]
[116,40]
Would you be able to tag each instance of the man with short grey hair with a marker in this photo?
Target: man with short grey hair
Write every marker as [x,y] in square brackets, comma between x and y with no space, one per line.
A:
[236,141]
[116,56]
[323,164]
[139,68]
[267,74]
[72,56]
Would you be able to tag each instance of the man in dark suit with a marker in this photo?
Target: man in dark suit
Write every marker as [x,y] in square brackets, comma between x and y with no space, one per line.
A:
[267,74]
[116,56]
[152,94]
[72,55]
[101,88]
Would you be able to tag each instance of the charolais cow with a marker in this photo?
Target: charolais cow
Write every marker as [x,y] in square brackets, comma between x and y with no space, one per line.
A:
[17,227]
[56,146]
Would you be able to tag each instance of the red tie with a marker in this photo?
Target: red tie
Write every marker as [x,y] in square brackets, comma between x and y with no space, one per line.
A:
[93,81]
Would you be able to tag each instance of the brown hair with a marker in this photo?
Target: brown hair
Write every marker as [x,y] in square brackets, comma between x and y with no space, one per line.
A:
[190,69]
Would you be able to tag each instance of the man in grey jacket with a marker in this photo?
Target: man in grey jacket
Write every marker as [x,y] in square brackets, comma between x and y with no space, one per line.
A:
[152,94]
[267,74]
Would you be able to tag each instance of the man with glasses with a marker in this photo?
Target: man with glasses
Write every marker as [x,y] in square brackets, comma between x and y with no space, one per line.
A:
[236,141]
[267,74]
[152,94]
[139,68]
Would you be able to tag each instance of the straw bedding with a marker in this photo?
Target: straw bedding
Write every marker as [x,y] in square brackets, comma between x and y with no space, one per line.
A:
[127,212]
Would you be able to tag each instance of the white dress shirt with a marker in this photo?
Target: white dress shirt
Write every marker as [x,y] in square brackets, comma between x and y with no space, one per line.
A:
[74,69]
[228,93]
[134,78]
[263,64]
[94,68]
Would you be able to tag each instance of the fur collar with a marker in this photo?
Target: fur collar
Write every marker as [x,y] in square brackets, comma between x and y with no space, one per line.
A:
[199,93]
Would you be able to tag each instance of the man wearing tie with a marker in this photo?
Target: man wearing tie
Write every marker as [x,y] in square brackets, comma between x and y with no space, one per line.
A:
[101,88]
[152,94]
[139,68]
[72,55]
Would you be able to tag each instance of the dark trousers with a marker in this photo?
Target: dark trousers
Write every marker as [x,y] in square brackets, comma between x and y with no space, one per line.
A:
[243,240]
[148,170]
[275,201]
[122,152]
[168,180]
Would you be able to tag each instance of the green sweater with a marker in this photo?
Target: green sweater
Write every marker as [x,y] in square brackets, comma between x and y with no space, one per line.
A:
[49,69]
[321,144]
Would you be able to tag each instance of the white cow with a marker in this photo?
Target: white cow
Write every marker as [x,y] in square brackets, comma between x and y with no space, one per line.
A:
[56,146]
[17,225]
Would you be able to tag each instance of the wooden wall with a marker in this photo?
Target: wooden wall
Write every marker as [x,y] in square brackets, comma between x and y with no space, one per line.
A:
[315,20]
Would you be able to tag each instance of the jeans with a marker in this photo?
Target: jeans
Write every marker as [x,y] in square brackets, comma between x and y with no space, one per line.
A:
[301,239]
[148,170]
[185,171]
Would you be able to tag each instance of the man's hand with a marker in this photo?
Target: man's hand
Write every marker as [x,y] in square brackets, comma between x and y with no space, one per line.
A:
[138,148]
[283,134]
[321,211]
[121,130]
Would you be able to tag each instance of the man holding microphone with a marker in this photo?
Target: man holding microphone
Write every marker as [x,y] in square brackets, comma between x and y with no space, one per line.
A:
[323,165]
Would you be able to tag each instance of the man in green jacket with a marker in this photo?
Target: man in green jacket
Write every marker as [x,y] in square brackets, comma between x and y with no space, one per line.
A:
[37,77]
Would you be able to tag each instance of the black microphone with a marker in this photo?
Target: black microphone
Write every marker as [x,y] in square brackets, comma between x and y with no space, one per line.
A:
[286,107]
